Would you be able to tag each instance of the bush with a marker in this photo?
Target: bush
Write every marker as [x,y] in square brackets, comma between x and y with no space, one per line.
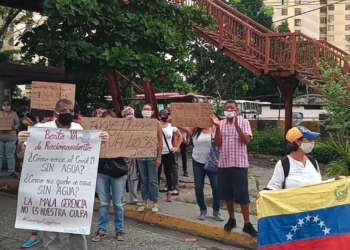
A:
[268,142]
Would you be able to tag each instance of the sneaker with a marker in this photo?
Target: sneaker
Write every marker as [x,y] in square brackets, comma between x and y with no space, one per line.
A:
[217,216]
[31,243]
[98,237]
[203,215]
[163,190]
[249,229]
[186,174]
[120,236]
[175,192]
[13,175]
[231,224]
[142,208]
[155,208]
[169,197]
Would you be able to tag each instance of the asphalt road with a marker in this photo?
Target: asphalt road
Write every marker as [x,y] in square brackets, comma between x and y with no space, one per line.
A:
[138,236]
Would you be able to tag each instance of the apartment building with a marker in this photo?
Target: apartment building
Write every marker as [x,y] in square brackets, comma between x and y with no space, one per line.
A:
[319,19]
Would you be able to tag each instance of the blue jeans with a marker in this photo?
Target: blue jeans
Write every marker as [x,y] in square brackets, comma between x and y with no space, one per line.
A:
[199,177]
[104,185]
[149,180]
[7,152]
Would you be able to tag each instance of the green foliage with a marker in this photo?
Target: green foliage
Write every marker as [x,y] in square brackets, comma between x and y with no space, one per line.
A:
[268,142]
[283,27]
[254,178]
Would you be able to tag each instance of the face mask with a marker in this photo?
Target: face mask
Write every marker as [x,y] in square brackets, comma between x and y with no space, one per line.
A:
[147,113]
[307,147]
[229,114]
[6,108]
[164,119]
[65,119]
[127,115]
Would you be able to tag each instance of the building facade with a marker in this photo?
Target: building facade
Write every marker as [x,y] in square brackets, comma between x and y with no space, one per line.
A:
[322,20]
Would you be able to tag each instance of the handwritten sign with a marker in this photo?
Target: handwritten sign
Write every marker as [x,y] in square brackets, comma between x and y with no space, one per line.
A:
[45,95]
[6,123]
[135,139]
[191,115]
[58,180]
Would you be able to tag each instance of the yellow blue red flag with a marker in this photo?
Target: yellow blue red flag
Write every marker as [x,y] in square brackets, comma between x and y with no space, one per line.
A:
[309,218]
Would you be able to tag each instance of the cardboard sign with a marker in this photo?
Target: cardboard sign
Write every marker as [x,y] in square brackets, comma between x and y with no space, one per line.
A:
[58,180]
[6,123]
[191,115]
[45,95]
[134,139]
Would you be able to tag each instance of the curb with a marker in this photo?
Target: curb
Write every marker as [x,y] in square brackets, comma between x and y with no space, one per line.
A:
[191,227]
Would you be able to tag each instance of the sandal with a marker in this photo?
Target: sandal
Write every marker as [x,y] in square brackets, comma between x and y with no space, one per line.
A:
[142,208]
[155,208]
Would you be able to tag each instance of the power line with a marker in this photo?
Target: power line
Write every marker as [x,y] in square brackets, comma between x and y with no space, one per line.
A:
[302,13]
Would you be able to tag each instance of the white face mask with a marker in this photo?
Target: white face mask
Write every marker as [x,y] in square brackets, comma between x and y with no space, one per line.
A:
[147,113]
[6,108]
[229,114]
[307,147]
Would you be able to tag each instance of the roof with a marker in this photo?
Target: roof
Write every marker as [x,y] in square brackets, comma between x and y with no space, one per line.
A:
[31,5]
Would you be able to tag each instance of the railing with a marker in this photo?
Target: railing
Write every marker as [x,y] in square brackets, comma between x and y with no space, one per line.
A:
[273,51]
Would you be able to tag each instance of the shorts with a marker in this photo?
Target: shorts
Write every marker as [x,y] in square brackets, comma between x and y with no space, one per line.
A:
[233,185]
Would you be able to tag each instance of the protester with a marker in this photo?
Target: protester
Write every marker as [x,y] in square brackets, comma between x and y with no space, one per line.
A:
[78,118]
[148,168]
[297,169]
[183,149]
[99,109]
[8,140]
[232,135]
[202,142]
[64,112]
[24,119]
[133,173]
[111,179]
[169,150]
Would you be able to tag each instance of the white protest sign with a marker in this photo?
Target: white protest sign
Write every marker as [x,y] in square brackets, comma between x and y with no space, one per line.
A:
[58,180]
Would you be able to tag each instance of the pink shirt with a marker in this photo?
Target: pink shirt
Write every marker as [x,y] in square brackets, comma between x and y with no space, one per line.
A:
[233,152]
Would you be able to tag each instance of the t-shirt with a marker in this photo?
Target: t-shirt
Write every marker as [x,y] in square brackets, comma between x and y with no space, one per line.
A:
[52,124]
[299,175]
[201,147]
[169,133]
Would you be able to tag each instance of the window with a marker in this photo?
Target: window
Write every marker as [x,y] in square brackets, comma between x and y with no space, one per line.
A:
[330,38]
[330,27]
[347,27]
[347,17]
[330,18]
[331,7]
[347,6]
[297,1]
[347,47]
[323,30]
[11,41]
[297,22]
[323,20]
[284,11]
[297,31]
[347,37]
[29,27]
[297,11]
[12,27]
[284,2]
[323,1]
[323,10]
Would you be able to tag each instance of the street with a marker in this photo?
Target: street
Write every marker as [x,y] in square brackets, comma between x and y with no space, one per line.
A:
[138,236]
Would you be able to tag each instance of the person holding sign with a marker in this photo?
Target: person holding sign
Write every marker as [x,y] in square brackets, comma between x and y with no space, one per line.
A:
[64,113]
[148,168]
[8,137]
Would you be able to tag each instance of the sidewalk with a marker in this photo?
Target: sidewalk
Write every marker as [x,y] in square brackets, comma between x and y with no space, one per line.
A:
[7,183]
[183,217]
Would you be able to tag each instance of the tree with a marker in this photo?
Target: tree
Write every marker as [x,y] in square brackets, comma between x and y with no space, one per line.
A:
[283,27]
[217,74]
[92,38]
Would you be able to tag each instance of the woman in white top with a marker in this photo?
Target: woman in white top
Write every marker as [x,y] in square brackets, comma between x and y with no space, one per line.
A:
[202,141]
[303,170]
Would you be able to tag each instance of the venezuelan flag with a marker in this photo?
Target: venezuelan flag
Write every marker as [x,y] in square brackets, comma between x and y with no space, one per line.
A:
[309,218]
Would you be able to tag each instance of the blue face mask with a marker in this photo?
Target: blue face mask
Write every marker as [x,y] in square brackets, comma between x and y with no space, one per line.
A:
[127,115]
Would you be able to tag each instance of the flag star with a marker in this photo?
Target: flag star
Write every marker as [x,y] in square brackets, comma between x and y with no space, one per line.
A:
[308,217]
[301,222]
[289,236]
[326,230]
[321,224]
[316,219]
[294,228]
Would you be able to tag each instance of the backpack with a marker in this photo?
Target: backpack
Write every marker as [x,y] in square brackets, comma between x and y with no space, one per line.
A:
[286,167]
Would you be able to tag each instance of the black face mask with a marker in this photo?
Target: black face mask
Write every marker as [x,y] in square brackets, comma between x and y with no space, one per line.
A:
[65,119]
[164,119]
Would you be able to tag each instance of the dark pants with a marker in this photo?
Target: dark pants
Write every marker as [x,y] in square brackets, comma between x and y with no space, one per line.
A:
[167,163]
[199,177]
[183,148]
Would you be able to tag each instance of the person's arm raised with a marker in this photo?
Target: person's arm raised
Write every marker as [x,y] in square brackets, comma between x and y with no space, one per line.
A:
[217,137]
[22,138]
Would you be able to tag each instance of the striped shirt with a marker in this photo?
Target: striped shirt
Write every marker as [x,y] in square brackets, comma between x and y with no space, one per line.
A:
[233,152]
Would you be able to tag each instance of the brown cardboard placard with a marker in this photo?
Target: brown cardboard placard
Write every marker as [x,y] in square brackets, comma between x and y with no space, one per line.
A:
[191,115]
[45,95]
[133,139]
[6,123]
